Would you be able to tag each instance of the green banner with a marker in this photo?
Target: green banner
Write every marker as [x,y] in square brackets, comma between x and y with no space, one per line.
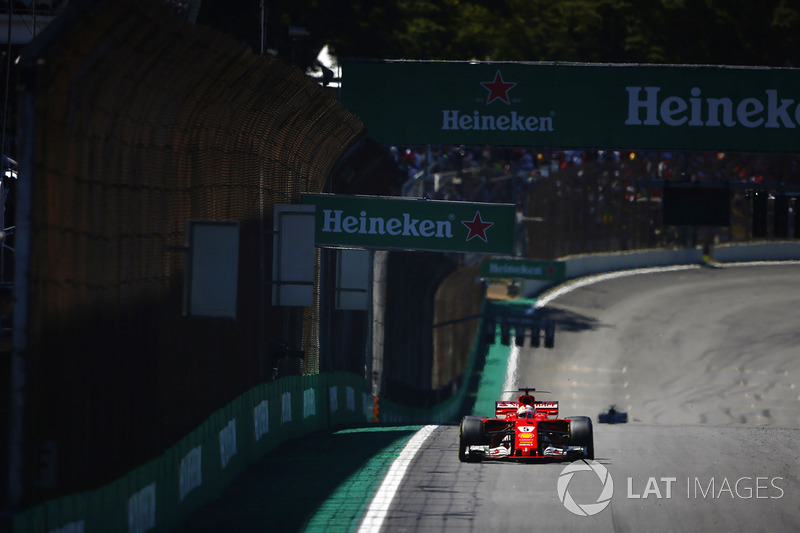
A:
[412,224]
[576,105]
[523,269]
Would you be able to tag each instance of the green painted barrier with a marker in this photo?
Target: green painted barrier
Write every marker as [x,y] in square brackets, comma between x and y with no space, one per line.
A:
[158,495]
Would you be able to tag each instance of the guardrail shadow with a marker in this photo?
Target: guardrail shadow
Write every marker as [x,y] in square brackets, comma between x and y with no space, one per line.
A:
[326,478]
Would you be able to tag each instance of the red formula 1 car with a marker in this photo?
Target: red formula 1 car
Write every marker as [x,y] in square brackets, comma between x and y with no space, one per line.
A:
[525,429]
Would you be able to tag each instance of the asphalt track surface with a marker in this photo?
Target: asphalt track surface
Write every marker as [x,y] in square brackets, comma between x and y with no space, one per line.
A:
[706,361]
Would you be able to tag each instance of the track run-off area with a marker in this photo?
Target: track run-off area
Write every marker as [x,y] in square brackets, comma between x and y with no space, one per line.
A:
[706,362]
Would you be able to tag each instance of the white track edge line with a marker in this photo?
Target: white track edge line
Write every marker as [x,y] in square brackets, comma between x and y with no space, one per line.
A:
[379,506]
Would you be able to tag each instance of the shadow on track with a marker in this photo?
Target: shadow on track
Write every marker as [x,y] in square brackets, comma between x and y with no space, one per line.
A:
[286,488]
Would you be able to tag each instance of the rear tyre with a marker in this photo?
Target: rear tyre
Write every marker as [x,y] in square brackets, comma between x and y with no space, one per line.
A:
[581,434]
[470,433]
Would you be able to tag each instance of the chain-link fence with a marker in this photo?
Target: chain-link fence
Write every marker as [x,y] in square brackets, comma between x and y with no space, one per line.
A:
[138,123]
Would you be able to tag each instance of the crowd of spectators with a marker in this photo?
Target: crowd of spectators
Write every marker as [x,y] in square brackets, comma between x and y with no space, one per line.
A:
[495,174]
[587,200]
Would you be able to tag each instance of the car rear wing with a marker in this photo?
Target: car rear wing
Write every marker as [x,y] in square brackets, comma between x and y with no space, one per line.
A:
[551,408]
[503,408]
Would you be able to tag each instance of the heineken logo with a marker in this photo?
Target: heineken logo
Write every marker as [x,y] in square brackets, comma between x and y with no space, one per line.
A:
[454,120]
[646,106]
[498,89]
[412,224]
[477,227]
[523,269]
[336,221]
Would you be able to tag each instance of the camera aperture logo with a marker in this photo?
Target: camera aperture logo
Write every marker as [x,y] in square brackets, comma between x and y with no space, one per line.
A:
[586,509]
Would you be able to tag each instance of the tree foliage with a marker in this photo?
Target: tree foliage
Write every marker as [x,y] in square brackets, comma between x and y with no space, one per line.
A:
[714,32]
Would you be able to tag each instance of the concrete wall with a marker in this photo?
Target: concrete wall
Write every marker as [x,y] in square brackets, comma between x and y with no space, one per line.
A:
[585,265]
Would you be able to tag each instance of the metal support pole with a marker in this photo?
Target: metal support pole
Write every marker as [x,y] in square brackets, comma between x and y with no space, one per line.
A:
[17,386]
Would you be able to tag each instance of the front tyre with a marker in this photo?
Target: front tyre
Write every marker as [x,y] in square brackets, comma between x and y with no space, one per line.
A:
[470,433]
[581,434]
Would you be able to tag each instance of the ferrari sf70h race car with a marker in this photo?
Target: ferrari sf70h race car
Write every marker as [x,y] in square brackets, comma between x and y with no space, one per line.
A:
[525,429]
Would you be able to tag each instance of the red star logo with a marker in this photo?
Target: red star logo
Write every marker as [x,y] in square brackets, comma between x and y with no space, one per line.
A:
[477,227]
[498,89]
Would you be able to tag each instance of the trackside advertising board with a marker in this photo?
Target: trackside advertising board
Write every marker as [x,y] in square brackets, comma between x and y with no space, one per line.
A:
[412,224]
[497,268]
[575,105]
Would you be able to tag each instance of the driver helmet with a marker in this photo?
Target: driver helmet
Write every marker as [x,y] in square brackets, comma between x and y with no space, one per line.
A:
[526,411]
